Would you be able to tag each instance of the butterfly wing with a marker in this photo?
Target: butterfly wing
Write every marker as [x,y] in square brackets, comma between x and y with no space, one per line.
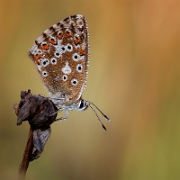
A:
[60,55]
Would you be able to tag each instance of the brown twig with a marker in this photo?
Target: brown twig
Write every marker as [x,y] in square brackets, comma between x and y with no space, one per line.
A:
[40,112]
[26,156]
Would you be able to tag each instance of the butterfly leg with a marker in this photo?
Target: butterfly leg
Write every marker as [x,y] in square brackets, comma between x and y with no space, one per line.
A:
[64,117]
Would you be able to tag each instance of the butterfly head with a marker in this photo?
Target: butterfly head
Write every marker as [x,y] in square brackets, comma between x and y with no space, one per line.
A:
[83,105]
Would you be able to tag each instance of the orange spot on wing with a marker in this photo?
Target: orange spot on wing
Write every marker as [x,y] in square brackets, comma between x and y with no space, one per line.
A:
[68,34]
[36,58]
[53,42]
[82,52]
[45,47]
[77,41]
[60,36]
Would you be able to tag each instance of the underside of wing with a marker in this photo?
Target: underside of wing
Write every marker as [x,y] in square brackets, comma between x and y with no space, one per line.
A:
[61,56]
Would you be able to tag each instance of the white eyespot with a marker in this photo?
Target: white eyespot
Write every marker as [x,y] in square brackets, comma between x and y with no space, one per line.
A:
[38,51]
[75,56]
[66,69]
[64,77]
[53,61]
[69,47]
[74,82]
[60,49]
[57,54]
[63,48]
[79,67]
[45,62]
[45,73]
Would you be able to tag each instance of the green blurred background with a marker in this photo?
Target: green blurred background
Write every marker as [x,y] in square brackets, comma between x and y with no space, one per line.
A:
[134,78]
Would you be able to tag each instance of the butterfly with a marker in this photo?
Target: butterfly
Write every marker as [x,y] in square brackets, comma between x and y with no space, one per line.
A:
[61,57]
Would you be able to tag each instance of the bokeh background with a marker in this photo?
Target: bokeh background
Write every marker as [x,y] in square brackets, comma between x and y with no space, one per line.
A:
[134,77]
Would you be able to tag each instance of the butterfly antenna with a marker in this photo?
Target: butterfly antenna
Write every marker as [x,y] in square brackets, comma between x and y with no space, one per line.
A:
[105,117]
[103,126]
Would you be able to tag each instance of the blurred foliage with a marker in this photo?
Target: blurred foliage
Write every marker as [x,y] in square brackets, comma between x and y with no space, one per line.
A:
[134,77]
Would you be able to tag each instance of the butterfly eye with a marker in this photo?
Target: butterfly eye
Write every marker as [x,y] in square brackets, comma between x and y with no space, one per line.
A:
[82,105]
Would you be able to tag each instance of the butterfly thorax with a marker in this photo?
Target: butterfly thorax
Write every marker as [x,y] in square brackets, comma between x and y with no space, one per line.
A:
[70,105]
